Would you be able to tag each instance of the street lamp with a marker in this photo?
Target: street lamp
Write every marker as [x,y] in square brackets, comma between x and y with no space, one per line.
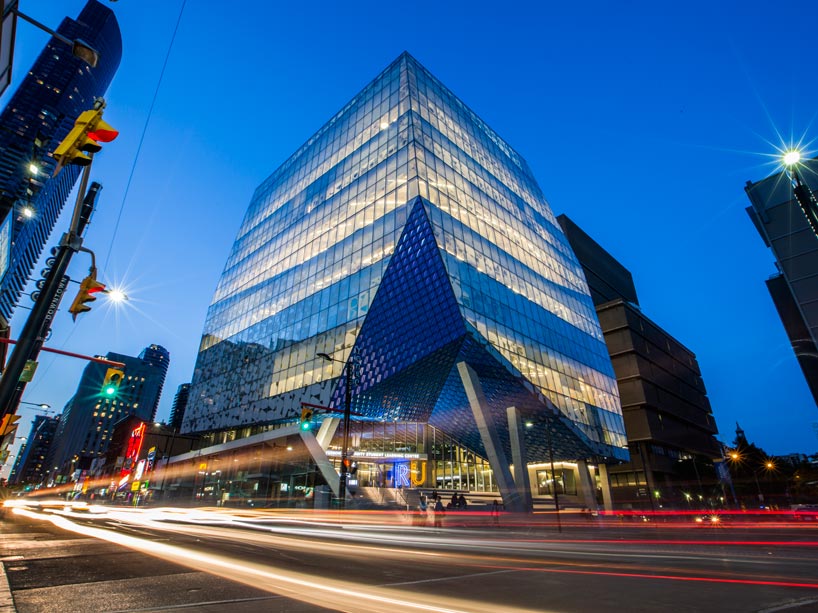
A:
[342,479]
[117,295]
[79,48]
[803,194]
[40,405]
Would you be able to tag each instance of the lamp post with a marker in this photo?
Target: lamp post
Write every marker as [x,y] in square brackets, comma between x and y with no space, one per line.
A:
[553,472]
[79,48]
[166,455]
[768,466]
[342,479]
[40,405]
[803,194]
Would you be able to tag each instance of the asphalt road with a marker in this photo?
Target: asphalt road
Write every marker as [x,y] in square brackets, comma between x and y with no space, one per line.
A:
[125,560]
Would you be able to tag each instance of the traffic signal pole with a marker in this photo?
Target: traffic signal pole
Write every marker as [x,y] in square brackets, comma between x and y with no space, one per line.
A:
[41,317]
[76,148]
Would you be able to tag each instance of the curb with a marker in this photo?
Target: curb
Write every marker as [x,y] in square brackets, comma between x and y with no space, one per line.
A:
[6,599]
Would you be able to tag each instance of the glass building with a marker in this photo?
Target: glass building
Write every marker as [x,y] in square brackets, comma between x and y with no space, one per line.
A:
[784,228]
[408,237]
[39,115]
[90,416]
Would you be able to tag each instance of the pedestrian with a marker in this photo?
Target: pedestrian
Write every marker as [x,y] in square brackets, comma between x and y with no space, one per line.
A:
[461,503]
[495,511]
[453,503]
[439,511]
[422,510]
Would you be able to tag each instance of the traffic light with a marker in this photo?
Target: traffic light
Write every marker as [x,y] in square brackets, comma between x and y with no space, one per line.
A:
[113,379]
[8,425]
[306,418]
[88,131]
[88,287]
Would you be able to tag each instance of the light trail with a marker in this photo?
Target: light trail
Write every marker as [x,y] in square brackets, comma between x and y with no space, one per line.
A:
[339,595]
[325,535]
[673,577]
[448,549]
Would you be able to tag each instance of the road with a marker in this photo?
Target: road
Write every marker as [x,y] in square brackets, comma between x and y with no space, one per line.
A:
[118,559]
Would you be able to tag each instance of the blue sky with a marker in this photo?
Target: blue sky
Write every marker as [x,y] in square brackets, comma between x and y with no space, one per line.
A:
[641,123]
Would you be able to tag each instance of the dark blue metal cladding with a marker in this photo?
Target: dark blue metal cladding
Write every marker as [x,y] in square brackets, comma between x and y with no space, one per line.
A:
[453,414]
[407,351]
[411,334]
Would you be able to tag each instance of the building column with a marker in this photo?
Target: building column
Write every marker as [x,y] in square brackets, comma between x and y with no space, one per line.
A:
[491,440]
[321,460]
[518,455]
[587,485]
[605,482]
[327,430]
[649,482]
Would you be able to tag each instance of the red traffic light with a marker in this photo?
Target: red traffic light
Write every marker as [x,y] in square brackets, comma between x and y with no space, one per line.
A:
[103,134]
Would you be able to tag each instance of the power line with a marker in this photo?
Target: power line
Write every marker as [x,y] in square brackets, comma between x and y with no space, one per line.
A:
[144,131]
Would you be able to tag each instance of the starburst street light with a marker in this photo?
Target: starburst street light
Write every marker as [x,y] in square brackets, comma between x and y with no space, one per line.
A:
[791,157]
[117,295]
[803,194]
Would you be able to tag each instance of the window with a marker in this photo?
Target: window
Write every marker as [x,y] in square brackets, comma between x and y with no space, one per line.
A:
[566,483]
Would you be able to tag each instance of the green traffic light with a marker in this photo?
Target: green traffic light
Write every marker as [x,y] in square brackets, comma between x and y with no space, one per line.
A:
[110,390]
[305,425]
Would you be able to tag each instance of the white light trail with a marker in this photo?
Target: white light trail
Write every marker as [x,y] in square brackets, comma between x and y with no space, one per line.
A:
[334,594]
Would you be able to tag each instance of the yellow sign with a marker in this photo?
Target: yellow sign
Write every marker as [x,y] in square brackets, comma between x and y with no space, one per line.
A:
[135,486]
[8,424]
[417,470]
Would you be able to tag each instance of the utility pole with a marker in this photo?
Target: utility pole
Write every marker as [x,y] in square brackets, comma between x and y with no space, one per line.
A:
[45,308]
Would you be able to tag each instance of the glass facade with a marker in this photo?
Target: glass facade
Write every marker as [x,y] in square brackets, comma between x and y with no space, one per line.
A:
[54,92]
[407,230]
[88,420]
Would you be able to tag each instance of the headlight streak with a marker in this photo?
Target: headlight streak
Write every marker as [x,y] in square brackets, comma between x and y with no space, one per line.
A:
[287,538]
[156,518]
[356,597]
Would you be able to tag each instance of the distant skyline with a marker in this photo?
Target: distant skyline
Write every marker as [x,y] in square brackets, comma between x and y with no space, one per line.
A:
[642,124]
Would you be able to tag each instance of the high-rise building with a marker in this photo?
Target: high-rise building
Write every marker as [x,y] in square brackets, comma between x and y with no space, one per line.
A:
[668,420]
[794,288]
[88,419]
[38,116]
[177,411]
[407,237]
[158,357]
[30,466]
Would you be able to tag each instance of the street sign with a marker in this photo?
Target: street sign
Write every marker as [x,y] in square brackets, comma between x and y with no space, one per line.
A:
[5,245]
[28,371]
[7,31]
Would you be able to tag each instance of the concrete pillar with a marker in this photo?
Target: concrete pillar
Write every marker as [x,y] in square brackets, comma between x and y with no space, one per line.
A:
[586,485]
[491,440]
[327,430]
[651,484]
[518,455]
[322,461]
[605,482]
